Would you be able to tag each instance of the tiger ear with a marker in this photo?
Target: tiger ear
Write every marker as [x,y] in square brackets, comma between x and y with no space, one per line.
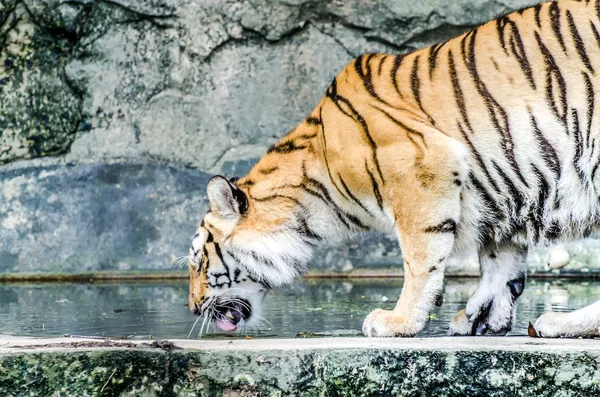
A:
[226,200]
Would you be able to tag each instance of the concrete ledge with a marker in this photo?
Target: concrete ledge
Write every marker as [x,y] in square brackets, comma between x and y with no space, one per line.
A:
[304,367]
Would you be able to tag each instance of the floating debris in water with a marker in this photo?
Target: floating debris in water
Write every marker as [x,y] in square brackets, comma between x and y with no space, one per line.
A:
[558,257]
[531,331]
[338,333]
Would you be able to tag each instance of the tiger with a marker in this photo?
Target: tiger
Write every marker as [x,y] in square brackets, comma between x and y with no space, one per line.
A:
[483,143]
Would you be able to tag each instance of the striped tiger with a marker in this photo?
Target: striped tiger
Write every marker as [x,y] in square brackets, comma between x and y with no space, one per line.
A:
[484,142]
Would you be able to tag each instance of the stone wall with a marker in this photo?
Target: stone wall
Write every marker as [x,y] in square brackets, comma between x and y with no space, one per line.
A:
[444,367]
[114,113]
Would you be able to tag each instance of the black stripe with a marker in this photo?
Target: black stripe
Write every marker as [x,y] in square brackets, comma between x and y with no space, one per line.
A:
[447,226]
[365,128]
[518,50]
[267,171]
[543,194]
[595,168]
[236,275]
[496,112]
[579,45]
[206,262]
[331,91]
[352,196]
[220,255]
[554,13]
[432,59]
[415,85]
[414,81]
[518,198]
[578,146]
[458,94]
[306,232]
[400,124]
[487,198]
[500,25]
[394,72]
[306,136]
[264,283]
[210,237]
[324,195]
[342,216]
[482,317]
[553,76]
[537,10]
[376,191]
[596,34]
[324,143]
[277,196]
[546,149]
[285,147]
[553,231]
[367,78]
[479,159]
[313,121]
[381,62]
[591,102]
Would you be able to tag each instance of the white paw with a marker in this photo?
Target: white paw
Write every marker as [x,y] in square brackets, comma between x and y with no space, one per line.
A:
[551,325]
[385,323]
[560,325]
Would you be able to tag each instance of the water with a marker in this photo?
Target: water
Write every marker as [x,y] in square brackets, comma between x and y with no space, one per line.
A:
[311,308]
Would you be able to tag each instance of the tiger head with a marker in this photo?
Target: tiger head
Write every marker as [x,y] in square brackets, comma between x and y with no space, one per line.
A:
[242,249]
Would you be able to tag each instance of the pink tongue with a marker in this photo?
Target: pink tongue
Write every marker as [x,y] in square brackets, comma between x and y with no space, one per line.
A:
[225,325]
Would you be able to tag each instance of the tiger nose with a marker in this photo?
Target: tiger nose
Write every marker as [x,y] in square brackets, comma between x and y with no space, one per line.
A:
[196,310]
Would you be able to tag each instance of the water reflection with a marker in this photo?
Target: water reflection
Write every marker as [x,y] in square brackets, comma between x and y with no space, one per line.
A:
[321,307]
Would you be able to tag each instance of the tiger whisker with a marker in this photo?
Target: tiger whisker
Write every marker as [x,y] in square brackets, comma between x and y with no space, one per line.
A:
[202,327]
[194,326]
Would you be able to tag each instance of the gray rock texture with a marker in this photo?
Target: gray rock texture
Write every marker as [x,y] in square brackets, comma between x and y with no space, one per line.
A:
[161,94]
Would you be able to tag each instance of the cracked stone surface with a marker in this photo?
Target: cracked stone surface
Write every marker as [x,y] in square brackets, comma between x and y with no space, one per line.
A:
[198,87]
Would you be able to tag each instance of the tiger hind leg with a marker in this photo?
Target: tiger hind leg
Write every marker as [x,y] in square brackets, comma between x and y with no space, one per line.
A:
[584,323]
[492,308]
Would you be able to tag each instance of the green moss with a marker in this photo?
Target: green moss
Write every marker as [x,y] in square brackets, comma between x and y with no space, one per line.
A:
[106,373]
[335,372]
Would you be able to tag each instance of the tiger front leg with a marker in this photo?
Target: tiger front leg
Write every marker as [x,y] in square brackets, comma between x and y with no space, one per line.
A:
[427,222]
[425,256]
[426,176]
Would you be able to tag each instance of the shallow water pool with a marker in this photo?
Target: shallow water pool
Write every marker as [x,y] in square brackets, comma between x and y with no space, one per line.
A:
[311,308]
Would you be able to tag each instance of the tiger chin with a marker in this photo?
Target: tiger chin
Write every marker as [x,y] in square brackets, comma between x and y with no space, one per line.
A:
[488,142]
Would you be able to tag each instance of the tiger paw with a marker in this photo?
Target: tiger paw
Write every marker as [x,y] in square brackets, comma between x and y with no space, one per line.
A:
[561,325]
[385,323]
[492,317]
